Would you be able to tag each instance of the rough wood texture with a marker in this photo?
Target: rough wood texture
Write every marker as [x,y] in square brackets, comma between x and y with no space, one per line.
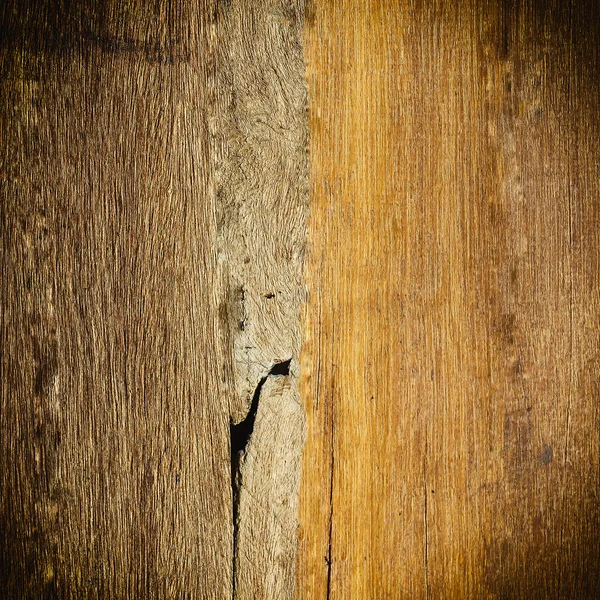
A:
[153,198]
[451,369]
[261,173]
[269,479]
[261,181]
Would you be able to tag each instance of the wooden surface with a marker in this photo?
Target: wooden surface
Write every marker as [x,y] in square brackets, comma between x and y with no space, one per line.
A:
[153,202]
[451,365]
[153,178]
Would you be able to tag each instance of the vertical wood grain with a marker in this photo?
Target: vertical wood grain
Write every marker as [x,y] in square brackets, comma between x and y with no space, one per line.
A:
[153,181]
[114,464]
[450,367]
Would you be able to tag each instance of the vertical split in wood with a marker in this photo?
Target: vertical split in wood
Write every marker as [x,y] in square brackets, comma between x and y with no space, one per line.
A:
[266,494]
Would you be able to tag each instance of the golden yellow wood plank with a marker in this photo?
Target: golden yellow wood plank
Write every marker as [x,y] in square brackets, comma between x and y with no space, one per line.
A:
[451,361]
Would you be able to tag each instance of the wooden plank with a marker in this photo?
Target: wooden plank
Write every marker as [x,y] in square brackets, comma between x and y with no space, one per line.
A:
[261,179]
[451,361]
[147,178]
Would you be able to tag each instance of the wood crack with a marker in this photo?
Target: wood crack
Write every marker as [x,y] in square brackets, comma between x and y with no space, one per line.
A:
[240,436]
[329,556]
[426,525]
